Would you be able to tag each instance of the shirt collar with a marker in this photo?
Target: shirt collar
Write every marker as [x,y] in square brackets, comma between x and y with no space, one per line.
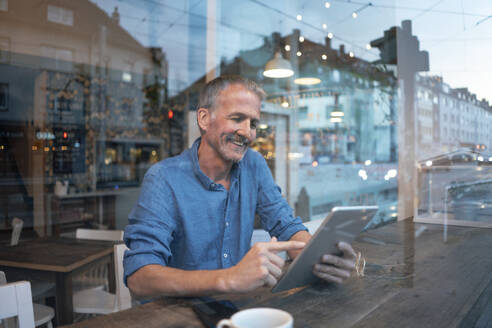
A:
[202,177]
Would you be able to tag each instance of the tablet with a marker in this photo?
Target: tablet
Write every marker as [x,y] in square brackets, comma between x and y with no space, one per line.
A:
[342,224]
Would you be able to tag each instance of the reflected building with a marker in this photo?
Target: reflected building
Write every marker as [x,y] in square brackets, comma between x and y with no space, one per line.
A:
[450,119]
[81,101]
[342,111]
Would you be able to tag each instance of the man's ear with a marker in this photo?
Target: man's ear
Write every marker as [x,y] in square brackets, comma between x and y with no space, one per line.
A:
[203,118]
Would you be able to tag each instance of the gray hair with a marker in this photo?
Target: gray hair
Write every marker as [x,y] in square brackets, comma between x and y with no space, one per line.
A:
[210,92]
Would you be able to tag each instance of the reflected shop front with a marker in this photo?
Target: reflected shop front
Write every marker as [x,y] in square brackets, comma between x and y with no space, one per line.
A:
[382,103]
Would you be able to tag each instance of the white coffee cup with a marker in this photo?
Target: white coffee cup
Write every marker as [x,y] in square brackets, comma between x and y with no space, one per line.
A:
[259,318]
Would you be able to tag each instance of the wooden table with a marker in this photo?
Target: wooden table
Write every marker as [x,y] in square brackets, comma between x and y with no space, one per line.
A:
[413,279]
[57,259]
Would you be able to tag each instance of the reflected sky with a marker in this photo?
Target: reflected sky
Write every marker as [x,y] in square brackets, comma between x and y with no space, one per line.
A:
[457,33]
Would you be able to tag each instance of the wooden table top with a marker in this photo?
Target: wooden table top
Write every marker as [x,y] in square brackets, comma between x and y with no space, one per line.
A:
[416,276]
[54,253]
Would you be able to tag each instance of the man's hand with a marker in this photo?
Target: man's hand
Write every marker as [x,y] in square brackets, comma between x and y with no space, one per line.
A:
[334,268]
[261,266]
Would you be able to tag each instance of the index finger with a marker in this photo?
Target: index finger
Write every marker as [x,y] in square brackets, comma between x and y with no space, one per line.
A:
[280,246]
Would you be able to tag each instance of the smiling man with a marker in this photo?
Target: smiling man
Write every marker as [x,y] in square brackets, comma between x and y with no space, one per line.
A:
[190,231]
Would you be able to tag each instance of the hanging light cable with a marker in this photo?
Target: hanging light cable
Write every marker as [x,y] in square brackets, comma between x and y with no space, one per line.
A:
[356,12]
[337,114]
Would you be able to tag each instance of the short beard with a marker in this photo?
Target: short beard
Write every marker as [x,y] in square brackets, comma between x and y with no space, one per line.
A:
[232,137]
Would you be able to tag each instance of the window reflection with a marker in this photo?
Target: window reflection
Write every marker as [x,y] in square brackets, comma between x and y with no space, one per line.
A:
[95,92]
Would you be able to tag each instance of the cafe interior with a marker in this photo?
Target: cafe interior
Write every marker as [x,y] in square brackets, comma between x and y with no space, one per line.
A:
[384,103]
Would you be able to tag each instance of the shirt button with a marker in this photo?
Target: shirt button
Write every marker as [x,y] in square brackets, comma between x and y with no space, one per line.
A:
[225,255]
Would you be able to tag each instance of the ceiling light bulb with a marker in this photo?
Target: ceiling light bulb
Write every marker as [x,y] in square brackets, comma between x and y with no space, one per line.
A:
[285,104]
[307,81]
[337,113]
[299,17]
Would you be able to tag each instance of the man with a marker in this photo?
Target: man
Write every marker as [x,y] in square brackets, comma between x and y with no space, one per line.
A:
[190,232]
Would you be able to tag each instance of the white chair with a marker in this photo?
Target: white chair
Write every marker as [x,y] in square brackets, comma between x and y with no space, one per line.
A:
[95,300]
[97,277]
[16,231]
[111,235]
[260,235]
[16,301]
[42,314]
[313,225]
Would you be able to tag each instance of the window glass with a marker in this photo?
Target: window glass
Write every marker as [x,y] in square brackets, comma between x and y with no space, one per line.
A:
[60,15]
[388,102]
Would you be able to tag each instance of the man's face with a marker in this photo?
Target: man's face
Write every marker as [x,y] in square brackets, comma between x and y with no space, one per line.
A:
[232,125]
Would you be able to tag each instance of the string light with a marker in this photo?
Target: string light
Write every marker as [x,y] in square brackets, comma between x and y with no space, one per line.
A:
[299,54]
[299,17]
[287,47]
[356,12]
[351,54]
[323,56]
[327,4]
[324,26]
[301,39]
[330,35]
[368,46]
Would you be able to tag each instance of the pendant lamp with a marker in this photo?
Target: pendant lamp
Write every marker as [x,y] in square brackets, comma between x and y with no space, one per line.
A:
[278,67]
[308,74]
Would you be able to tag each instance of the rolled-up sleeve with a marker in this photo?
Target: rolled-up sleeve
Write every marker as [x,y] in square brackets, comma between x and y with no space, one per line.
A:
[151,225]
[275,213]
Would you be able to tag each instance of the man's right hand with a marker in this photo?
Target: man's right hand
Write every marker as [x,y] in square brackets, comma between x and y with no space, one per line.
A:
[261,266]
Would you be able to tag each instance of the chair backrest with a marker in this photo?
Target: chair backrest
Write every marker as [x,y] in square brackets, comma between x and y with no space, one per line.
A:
[262,236]
[16,231]
[313,225]
[123,297]
[3,278]
[16,301]
[110,235]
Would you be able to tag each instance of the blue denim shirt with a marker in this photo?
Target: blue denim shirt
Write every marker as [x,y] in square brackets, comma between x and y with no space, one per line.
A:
[184,220]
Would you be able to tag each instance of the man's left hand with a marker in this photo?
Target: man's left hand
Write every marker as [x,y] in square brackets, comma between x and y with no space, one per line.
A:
[335,268]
